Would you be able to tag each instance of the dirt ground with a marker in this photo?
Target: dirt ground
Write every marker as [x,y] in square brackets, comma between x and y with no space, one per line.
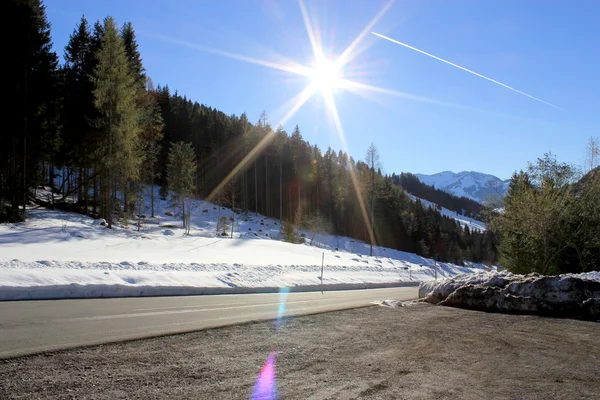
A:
[416,352]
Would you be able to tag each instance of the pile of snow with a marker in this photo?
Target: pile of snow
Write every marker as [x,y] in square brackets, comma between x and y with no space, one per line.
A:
[396,303]
[571,296]
[21,280]
[60,254]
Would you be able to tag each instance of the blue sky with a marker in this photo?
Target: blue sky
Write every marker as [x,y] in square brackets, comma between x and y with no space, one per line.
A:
[546,48]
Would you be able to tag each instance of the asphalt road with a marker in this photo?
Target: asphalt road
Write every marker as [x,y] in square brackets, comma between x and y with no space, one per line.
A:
[28,327]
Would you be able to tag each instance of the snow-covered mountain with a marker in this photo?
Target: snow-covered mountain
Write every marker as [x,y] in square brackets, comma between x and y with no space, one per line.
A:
[473,185]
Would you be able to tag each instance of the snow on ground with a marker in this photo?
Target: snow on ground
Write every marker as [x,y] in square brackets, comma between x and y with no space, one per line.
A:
[473,224]
[569,295]
[59,254]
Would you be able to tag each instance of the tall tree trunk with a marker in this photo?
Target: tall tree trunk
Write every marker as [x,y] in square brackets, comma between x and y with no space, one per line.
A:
[152,188]
[13,175]
[25,140]
[255,190]
[266,205]
[109,178]
[80,185]
[280,187]
[95,199]
[86,182]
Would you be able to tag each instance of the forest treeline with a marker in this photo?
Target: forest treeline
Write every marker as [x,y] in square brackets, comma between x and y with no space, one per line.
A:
[460,205]
[551,218]
[98,117]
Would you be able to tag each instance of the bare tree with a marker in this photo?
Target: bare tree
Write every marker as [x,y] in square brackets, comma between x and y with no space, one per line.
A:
[592,154]
[372,160]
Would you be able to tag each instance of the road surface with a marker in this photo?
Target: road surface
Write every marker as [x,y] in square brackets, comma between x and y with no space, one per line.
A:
[28,327]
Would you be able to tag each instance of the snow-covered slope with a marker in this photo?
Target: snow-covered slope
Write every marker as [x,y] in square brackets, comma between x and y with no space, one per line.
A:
[60,254]
[473,224]
[473,185]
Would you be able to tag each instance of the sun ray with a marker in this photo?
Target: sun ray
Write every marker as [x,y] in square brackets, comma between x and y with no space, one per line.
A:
[293,67]
[362,88]
[332,109]
[347,55]
[358,88]
[300,99]
[315,41]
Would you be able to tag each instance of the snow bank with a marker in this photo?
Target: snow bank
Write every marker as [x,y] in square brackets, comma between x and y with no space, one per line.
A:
[572,296]
[58,254]
[59,279]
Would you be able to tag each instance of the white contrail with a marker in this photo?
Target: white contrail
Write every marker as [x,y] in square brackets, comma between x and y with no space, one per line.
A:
[466,69]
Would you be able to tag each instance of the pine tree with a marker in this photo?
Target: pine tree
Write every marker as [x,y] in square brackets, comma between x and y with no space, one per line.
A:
[181,171]
[151,136]
[115,97]
[134,57]
[79,109]
[31,135]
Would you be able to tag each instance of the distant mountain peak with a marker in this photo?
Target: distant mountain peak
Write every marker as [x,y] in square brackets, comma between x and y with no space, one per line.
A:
[474,185]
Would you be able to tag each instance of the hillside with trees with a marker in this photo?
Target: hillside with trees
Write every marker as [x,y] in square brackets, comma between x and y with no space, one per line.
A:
[551,219]
[460,205]
[99,123]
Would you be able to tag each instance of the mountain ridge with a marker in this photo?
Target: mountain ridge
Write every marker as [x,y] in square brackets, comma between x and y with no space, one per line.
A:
[474,185]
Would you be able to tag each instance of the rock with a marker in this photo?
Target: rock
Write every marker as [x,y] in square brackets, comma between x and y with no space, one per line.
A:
[168,232]
[169,214]
[205,211]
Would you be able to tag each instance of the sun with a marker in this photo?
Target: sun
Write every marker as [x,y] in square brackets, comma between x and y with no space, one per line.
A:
[325,76]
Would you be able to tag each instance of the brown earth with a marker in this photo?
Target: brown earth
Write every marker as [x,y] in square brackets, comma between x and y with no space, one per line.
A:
[416,352]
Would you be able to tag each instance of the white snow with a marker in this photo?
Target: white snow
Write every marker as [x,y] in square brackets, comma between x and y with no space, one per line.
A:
[473,224]
[569,295]
[470,184]
[57,254]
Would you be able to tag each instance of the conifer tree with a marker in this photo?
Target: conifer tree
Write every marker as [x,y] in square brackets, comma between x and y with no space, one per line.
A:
[31,135]
[181,171]
[115,97]
[79,109]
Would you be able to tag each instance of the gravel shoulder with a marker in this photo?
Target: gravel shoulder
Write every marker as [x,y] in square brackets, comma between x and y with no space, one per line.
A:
[416,352]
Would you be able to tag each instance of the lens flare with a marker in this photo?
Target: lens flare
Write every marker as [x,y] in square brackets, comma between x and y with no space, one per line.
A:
[264,388]
[283,295]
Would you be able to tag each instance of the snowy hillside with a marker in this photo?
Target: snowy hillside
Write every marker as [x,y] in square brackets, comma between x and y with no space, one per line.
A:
[473,185]
[473,224]
[60,254]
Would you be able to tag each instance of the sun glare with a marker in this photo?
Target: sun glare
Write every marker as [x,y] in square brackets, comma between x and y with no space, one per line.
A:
[326,76]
